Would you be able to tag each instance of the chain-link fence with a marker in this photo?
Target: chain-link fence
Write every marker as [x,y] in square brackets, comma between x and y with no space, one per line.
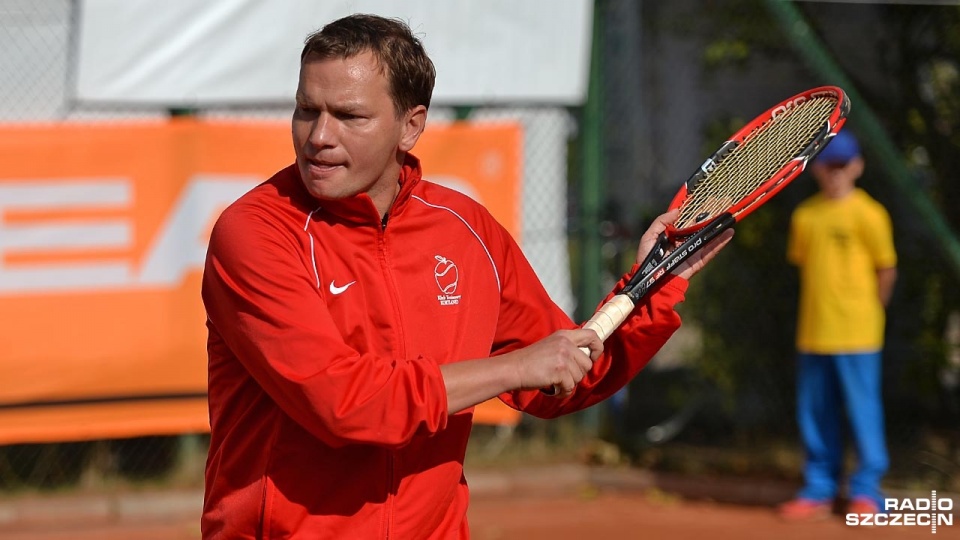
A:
[720,397]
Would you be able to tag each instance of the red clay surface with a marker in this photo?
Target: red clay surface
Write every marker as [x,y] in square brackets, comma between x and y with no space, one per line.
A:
[635,515]
[528,517]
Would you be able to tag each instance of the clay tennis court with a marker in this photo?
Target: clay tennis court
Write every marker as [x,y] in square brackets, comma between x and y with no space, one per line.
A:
[607,515]
[557,503]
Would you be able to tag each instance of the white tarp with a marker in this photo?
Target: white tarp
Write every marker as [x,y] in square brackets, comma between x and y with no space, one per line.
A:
[193,53]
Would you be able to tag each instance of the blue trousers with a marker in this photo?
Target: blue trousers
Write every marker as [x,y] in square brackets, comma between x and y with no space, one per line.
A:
[826,386]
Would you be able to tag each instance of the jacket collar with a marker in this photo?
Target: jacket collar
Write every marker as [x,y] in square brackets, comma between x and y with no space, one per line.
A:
[360,208]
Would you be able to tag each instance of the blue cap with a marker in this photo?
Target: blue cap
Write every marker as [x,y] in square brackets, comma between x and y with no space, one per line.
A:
[840,149]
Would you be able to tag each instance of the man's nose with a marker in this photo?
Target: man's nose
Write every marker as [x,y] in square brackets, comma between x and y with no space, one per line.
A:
[325,131]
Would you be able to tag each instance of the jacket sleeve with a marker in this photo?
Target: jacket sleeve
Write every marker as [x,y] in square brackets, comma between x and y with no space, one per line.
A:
[527,315]
[265,305]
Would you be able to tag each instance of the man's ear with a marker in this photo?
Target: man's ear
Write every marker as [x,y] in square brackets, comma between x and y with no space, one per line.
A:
[413,123]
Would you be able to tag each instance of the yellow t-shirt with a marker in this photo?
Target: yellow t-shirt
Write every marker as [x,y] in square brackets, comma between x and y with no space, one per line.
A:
[839,245]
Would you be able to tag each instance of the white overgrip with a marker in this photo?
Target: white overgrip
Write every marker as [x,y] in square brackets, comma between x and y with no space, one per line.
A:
[609,317]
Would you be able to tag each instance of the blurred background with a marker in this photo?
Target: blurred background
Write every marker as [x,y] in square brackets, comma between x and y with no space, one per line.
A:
[126,126]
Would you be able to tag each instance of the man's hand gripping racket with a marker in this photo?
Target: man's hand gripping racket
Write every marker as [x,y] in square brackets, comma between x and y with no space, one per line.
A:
[748,169]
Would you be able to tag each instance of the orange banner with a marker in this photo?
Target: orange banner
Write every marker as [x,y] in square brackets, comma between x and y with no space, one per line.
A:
[103,231]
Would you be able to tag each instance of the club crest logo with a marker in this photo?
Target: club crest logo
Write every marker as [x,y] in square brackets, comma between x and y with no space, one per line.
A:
[447,277]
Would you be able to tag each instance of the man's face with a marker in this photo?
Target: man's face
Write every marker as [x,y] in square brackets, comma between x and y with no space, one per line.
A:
[837,179]
[346,134]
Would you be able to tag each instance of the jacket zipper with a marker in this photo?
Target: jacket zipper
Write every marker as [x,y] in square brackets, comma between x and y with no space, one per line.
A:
[395,301]
[394,297]
[263,510]
[390,495]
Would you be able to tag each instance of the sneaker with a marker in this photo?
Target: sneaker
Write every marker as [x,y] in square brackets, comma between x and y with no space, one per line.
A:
[805,510]
[863,505]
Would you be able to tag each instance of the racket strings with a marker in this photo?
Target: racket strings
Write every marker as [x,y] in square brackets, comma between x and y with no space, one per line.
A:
[755,160]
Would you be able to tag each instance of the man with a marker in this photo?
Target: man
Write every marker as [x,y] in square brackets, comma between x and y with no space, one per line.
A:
[357,313]
[841,240]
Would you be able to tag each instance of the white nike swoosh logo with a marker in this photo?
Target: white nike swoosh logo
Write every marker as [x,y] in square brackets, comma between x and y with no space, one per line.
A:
[339,290]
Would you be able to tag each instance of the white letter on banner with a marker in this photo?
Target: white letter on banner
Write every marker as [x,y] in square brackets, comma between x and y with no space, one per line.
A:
[63,236]
[181,245]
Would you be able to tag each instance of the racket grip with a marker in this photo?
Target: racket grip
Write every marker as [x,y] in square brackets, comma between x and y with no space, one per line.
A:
[609,317]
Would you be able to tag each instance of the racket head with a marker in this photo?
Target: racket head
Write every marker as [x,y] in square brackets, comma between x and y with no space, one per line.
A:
[760,159]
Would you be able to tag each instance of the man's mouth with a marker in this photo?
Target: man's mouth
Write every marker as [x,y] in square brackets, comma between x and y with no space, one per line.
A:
[322,167]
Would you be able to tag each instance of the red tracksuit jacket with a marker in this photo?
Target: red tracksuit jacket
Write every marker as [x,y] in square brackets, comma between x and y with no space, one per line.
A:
[326,333]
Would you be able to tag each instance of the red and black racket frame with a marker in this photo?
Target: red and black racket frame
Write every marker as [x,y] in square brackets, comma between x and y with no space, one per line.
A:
[661,259]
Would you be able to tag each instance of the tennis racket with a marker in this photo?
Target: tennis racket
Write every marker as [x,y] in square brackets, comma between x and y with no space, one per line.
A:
[751,167]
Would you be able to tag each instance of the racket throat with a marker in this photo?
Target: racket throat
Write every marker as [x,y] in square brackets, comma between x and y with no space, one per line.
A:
[660,264]
[656,255]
